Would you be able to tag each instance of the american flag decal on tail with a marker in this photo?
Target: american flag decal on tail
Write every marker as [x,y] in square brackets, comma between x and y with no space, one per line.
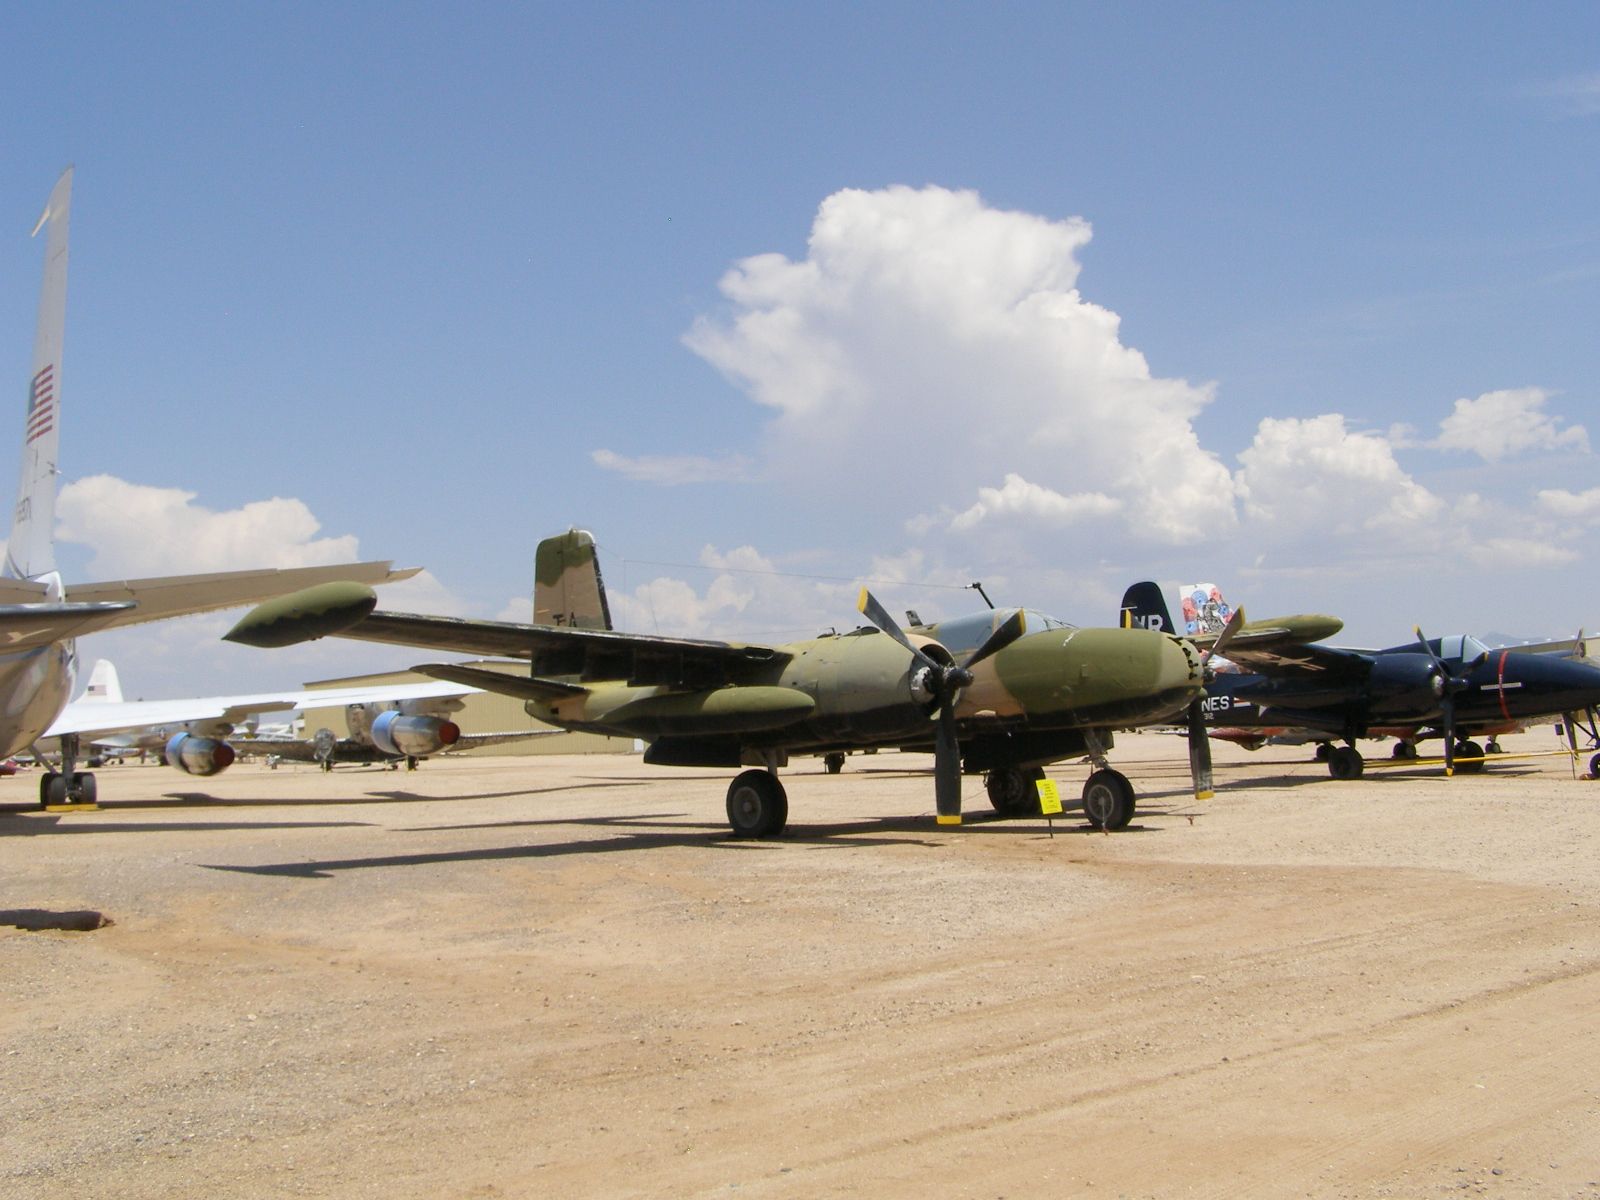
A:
[42,403]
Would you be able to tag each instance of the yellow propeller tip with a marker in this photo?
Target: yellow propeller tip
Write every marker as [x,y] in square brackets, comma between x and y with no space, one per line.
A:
[954,820]
[861,600]
[1205,795]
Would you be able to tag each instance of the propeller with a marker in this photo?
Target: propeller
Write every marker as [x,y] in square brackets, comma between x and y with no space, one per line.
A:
[1199,741]
[942,682]
[1450,685]
[1572,741]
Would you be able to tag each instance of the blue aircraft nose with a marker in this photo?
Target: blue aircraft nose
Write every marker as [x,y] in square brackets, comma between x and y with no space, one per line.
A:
[1537,684]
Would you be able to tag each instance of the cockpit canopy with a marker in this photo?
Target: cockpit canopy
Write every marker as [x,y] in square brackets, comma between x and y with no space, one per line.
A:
[962,635]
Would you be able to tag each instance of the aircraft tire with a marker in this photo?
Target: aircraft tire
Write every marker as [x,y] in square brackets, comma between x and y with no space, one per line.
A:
[1011,791]
[47,786]
[1108,800]
[1404,750]
[1469,750]
[833,763]
[84,789]
[1594,767]
[1345,762]
[758,806]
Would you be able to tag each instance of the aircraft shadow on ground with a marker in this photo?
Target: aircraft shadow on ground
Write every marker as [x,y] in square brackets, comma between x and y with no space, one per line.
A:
[667,830]
[48,824]
[177,800]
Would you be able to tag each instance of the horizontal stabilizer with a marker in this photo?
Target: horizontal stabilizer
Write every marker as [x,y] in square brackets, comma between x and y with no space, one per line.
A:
[26,626]
[501,682]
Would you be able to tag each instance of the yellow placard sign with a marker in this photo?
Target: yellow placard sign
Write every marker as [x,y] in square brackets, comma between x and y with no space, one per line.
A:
[1049,797]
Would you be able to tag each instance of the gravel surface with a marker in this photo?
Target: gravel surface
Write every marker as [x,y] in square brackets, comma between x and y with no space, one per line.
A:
[562,977]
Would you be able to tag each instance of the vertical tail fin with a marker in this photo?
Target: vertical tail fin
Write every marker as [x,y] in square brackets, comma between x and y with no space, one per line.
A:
[1143,608]
[104,686]
[567,588]
[1204,609]
[30,549]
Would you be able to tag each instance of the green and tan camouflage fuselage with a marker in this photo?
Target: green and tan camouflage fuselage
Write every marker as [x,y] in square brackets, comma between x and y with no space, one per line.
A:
[1029,703]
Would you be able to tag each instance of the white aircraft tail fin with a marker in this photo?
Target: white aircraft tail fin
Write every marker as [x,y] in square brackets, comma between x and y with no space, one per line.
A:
[104,686]
[30,549]
[1202,609]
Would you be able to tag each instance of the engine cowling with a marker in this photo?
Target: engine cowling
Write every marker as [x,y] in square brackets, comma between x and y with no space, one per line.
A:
[1404,683]
[411,736]
[194,755]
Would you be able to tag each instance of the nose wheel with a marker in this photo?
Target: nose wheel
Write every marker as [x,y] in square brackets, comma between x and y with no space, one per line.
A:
[1108,799]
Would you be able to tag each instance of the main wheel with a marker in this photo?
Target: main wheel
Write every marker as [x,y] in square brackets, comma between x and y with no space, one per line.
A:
[757,805]
[1108,800]
[1404,750]
[833,763]
[1012,792]
[1594,767]
[1345,762]
[1469,750]
[84,790]
[48,792]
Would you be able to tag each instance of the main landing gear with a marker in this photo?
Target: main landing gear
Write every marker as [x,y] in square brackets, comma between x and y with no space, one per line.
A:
[1345,762]
[1108,797]
[758,806]
[68,789]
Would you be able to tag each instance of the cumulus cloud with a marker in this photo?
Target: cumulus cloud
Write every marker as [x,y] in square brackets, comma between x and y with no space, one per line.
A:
[927,339]
[670,470]
[1503,424]
[1571,506]
[136,530]
[1304,476]
[1017,497]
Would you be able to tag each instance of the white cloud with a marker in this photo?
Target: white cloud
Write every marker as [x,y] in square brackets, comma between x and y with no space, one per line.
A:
[670,470]
[927,339]
[135,530]
[1019,498]
[1571,506]
[1514,553]
[1316,477]
[1506,423]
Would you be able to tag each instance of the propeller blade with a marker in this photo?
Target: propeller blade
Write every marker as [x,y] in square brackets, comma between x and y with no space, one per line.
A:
[1572,741]
[879,616]
[947,768]
[1200,753]
[1004,634]
[1235,623]
[1447,706]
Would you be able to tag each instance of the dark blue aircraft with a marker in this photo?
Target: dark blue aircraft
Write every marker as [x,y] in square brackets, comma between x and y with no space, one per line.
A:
[1454,687]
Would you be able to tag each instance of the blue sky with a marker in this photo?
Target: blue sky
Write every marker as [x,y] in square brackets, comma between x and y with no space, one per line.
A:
[778,297]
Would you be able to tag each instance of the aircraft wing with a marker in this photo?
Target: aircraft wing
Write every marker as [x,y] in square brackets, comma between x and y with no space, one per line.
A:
[1285,658]
[550,650]
[96,717]
[28,625]
[179,595]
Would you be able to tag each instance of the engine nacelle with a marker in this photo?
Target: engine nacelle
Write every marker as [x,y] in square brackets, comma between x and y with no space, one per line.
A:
[1405,683]
[394,732]
[195,755]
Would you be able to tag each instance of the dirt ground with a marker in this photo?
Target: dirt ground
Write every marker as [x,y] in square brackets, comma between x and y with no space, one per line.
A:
[562,977]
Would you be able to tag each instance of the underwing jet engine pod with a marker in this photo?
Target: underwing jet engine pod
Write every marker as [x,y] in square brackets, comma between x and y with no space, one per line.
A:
[1018,701]
[196,755]
[409,729]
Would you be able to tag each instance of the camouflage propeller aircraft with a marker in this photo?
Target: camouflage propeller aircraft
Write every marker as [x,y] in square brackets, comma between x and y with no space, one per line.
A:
[1011,703]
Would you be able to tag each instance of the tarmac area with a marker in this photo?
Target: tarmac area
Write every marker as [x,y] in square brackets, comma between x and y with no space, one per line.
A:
[562,977]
